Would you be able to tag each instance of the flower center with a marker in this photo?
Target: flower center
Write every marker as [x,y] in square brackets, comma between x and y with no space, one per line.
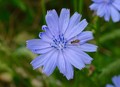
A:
[59,42]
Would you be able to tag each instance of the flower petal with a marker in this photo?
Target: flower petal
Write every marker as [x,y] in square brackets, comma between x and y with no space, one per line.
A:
[33,42]
[64,66]
[116,81]
[107,13]
[69,70]
[82,55]
[76,30]
[50,65]
[94,6]
[115,14]
[61,63]
[37,45]
[108,85]
[64,20]
[74,59]
[42,51]
[74,20]
[85,36]
[117,1]
[41,60]
[52,22]
[116,5]
[44,37]
[37,62]
[88,47]
[47,31]
[97,1]
[100,11]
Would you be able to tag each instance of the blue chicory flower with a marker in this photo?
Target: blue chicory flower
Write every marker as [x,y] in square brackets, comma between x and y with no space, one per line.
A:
[116,81]
[107,9]
[62,44]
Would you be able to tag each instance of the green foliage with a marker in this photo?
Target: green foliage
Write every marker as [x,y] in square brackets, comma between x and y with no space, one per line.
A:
[110,35]
[21,20]
[110,70]
[20,4]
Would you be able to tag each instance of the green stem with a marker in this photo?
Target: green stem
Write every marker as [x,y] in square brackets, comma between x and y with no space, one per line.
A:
[43,9]
[80,6]
[75,5]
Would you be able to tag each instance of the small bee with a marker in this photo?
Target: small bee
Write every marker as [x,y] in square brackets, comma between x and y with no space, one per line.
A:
[75,41]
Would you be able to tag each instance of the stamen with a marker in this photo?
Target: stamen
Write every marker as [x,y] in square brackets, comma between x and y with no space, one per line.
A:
[59,42]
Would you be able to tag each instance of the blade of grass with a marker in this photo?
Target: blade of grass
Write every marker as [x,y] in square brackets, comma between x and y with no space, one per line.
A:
[75,5]
[80,6]
[43,9]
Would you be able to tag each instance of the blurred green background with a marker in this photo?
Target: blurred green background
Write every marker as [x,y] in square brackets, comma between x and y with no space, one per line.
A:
[21,20]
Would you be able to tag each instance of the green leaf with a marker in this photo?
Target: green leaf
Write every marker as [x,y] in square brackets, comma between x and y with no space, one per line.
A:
[4,67]
[110,70]
[20,4]
[110,36]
